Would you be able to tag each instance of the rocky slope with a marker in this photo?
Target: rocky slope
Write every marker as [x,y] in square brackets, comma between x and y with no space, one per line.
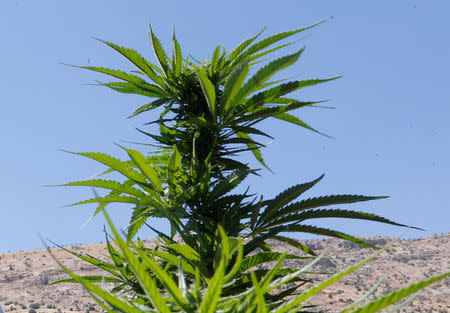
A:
[25,276]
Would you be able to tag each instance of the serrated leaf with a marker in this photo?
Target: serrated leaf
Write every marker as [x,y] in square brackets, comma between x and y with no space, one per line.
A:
[329,213]
[150,106]
[246,141]
[312,203]
[170,285]
[146,169]
[242,46]
[264,112]
[227,184]
[109,184]
[208,92]
[295,120]
[115,256]
[271,40]
[161,56]
[214,61]
[263,74]
[115,164]
[135,58]
[136,223]
[186,251]
[129,88]
[295,243]
[173,259]
[233,84]
[110,268]
[267,96]
[116,199]
[254,148]
[250,130]
[255,57]
[324,232]
[132,79]
[177,57]
[283,198]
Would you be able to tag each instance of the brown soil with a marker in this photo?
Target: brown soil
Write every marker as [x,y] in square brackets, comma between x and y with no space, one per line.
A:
[25,276]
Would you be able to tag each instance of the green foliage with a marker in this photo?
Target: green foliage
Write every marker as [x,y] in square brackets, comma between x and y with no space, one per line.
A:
[162,291]
[210,113]
[209,107]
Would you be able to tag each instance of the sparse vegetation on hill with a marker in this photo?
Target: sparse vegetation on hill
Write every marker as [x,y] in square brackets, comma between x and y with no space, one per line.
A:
[20,293]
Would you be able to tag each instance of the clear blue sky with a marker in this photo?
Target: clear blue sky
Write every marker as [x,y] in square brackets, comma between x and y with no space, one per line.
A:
[390,124]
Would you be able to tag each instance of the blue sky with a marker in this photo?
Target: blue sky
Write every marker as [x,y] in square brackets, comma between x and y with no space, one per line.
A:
[390,126]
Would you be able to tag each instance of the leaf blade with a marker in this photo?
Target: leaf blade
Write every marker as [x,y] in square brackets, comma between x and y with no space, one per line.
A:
[208,92]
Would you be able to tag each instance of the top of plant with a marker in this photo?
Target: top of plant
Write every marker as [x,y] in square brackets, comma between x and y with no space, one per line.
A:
[211,109]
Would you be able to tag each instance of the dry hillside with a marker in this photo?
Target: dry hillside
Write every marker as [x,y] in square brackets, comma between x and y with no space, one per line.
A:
[25,276]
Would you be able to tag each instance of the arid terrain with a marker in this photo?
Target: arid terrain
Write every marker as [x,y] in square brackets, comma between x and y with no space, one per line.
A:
[25,276]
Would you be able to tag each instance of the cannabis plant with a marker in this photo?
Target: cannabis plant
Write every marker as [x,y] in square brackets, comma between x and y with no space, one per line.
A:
[210,112]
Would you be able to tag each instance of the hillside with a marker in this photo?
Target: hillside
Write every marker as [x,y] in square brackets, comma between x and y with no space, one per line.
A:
[25,276]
